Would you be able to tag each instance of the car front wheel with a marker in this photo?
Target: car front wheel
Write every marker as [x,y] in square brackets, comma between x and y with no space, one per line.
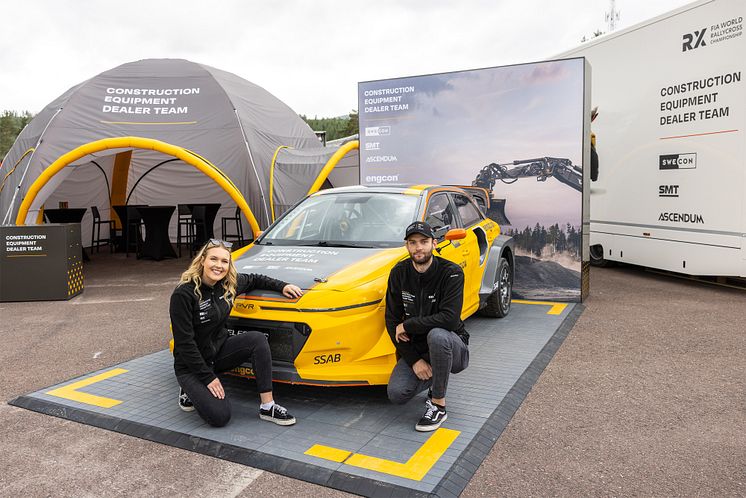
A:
[498,303]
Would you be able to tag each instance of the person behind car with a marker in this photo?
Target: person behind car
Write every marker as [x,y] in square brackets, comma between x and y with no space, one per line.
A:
[594,154]
[199,309]
[423,317]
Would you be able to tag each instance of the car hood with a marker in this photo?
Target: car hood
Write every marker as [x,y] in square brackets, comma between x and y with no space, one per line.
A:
[319,268]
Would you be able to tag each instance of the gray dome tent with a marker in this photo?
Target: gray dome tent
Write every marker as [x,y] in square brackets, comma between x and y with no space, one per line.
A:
[132,134]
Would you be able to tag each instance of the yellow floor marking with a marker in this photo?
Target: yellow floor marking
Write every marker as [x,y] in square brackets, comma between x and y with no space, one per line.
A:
[71,391]
[328,453]
[415,468]
[556,308]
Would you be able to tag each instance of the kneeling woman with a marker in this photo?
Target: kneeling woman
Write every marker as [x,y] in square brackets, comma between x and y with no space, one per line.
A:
[199,309]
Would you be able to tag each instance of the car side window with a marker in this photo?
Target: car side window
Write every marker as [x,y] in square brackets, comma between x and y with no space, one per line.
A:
[440,215]
[467,210]
[481,204]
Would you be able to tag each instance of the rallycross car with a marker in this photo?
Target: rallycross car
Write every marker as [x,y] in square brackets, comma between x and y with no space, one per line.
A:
[339,246]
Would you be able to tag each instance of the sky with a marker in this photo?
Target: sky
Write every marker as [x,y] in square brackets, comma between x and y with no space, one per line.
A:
[309,54]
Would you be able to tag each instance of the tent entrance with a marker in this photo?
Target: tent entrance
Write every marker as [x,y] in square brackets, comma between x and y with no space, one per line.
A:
[38,194]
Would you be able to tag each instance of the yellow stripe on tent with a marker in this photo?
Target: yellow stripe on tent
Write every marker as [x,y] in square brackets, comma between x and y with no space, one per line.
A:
[119,182]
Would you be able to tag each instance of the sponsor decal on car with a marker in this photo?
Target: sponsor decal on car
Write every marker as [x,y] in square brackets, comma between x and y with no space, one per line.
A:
[244,371]
[327,358]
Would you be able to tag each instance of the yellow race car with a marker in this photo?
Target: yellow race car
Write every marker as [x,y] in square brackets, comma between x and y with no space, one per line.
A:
[339,246]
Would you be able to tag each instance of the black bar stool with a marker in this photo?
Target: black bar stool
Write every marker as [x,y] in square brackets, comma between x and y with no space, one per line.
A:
[96,239]
[235,219]
[186,228]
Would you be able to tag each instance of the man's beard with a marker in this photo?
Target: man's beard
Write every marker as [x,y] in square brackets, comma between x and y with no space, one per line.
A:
[423,260]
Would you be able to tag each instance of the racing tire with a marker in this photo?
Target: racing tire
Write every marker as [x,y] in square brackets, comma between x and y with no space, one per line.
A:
[596,253]
[498,303]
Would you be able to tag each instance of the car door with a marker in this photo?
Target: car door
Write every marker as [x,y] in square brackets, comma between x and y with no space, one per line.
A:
[473,246]
[441,215]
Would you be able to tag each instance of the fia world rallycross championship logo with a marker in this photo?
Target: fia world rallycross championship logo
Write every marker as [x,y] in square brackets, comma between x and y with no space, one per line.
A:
[721,31]
[694,40]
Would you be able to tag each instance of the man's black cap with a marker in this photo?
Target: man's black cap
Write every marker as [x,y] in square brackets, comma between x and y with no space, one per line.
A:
[420,227]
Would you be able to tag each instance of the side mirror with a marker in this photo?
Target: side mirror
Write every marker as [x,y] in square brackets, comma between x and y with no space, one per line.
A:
[456,234]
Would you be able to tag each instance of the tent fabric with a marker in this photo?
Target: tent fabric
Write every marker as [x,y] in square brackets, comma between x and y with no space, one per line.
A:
[294,173]
[347,170]
[232,123]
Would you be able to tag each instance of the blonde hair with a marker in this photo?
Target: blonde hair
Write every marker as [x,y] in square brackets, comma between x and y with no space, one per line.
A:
[194,272]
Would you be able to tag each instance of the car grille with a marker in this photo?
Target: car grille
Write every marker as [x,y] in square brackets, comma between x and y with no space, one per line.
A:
[286,339]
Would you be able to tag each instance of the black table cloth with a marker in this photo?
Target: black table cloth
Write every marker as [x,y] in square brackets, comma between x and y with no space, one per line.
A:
[204,218]
[157,244]
[129,216]
[67,215]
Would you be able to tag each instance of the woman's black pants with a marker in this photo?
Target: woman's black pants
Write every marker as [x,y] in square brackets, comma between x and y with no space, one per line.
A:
[249,346]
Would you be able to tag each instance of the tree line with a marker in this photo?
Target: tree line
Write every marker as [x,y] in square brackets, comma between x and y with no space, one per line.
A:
[11,124]
[559,239]
[339,127]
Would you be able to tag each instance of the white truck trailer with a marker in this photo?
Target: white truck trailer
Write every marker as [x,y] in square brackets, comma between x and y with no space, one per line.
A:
[671,97]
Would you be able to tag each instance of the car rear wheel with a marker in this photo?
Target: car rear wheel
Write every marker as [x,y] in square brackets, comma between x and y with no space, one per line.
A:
[498,303]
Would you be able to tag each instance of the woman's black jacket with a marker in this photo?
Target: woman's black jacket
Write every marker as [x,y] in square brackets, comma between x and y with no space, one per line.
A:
[199,324]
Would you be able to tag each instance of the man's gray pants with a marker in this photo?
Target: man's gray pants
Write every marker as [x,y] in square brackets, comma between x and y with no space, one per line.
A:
[447,354]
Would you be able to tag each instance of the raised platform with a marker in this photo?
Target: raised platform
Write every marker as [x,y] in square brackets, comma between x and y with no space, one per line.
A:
[351,439]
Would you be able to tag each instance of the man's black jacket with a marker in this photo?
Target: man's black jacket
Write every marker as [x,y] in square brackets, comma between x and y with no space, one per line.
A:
[199,325]
[424,301]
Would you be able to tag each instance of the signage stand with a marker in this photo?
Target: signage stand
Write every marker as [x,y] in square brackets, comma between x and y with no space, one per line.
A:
[40,262]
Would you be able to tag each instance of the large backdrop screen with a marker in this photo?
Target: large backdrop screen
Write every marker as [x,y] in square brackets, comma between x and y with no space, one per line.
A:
[521,133]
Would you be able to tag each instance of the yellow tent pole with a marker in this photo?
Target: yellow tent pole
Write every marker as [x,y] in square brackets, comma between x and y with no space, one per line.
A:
[138,143]
[272,181]
[216,168]
[331,163]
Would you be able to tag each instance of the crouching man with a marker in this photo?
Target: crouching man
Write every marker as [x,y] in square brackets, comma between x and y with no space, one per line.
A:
[423,317]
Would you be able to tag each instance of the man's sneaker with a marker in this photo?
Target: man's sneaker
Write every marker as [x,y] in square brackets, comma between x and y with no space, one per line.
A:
[433,417]
[184,402]
[277,414]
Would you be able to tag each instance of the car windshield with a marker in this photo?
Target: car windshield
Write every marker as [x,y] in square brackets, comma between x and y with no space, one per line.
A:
[346,219]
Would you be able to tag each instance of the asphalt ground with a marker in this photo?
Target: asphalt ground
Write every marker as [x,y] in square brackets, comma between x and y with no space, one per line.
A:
[645,397]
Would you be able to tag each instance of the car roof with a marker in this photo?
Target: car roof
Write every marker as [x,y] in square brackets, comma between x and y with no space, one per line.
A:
[398,189]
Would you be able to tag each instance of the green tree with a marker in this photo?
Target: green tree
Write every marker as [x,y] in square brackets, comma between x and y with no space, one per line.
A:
[353,124]
[339,127]
[553,237]
[536,244]
[11,125]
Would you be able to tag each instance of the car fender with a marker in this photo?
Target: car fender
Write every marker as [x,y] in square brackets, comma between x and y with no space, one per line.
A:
[502,247]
